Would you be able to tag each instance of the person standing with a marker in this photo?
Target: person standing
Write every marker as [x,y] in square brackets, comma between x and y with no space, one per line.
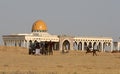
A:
[37,51]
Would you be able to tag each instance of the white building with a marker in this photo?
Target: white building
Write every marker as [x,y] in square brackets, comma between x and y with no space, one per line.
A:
[39,33]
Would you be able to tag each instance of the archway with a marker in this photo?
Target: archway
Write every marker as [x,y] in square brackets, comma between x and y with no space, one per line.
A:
[99,46]
[66,45]
[107,46]
[95,45]
[118,46]
[55,45]
[104,46]
[80,46]
[90,45]
[75,46]
[85,45]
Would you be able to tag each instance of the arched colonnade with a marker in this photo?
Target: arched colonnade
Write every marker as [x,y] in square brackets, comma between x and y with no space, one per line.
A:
[100,44]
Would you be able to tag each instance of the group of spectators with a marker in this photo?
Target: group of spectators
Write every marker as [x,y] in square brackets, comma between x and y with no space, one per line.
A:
[41,48]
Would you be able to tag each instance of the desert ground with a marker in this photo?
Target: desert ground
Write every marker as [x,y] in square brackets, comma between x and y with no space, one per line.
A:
[15,60]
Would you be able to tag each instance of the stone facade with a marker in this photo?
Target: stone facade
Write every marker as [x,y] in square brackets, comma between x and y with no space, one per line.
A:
[68,40]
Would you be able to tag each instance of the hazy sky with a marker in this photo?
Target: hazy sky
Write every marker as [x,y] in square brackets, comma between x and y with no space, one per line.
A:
[71,17]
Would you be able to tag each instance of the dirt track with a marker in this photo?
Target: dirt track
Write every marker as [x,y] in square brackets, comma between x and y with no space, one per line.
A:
[17,61]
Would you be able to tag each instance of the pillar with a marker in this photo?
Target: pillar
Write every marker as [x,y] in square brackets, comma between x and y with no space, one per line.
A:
[118,47]
[7,43]
[60,46]
[71,45]
[12,42]
[102,46]
[92,45]
[82,46]
[27,44]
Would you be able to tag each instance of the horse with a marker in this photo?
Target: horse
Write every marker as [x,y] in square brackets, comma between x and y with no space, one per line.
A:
[92,51]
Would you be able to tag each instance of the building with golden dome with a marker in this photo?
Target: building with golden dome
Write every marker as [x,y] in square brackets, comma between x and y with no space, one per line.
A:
[40,34]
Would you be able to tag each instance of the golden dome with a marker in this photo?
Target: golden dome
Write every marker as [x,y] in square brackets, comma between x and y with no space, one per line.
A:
[39,26]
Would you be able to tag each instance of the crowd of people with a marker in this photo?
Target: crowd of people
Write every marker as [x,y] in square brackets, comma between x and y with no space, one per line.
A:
[46,48]
[41,48]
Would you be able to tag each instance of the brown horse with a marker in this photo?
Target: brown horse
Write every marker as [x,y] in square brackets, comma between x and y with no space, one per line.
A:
[91,51]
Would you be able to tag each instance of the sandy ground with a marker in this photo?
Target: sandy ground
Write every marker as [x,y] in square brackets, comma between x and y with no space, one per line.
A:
[15,60]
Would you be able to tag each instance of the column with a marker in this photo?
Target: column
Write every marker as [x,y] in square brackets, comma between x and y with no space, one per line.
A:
[82,46]
[11,42]
[27,44]
[71,46]
[60,46]
[7,42]
[22,43]
[102,46]
[111,46]
[97,45]
[118,46]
